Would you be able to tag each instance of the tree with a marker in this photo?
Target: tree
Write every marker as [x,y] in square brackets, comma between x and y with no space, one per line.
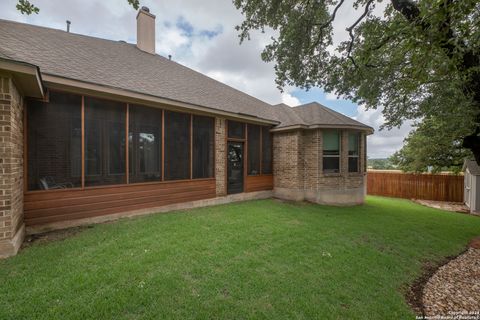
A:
[420,60]
[432,145]
[26,7]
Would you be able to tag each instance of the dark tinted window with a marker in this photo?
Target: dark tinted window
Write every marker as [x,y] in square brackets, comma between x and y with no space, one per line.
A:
[331,151]
[236,130]
[266,151]
[253,156]
[145,144]
[353,151]
[177,146]
[203,142]
[104,142]
[54,142]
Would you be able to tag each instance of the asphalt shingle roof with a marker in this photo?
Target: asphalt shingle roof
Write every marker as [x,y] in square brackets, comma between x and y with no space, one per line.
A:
[314,114]
[122,65]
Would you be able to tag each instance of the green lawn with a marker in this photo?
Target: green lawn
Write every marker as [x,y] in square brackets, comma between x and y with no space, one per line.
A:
[259,259]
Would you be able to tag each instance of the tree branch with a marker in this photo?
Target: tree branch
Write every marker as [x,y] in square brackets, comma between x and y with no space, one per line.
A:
[325,25]
[350,31]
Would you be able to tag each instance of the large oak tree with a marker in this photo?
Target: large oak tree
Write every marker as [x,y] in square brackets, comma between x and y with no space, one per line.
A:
[420,60]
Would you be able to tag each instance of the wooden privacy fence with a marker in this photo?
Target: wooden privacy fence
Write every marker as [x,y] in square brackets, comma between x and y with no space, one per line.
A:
[416,186]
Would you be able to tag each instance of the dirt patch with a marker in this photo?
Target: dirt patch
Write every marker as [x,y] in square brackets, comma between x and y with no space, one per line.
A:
[55,235]
[444,205]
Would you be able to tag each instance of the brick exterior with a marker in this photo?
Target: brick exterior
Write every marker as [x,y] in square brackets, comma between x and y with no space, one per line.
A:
[298,169]
[11,167]
[220,156]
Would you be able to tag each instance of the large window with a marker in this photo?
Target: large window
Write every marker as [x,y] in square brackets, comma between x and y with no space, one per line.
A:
[105,153]
[145,144]
[177,146]
[353,154]
[203,146]
[54,142]
[253,156]
[266,151]
[331,152]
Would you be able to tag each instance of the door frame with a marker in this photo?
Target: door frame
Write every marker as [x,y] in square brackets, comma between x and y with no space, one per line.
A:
[243,180]
[245,155]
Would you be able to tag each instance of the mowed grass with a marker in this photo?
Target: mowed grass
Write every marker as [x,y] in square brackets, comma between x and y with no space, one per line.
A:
[259,259]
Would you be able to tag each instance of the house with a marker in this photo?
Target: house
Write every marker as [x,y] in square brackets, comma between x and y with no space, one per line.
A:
[471,194]
[93,130]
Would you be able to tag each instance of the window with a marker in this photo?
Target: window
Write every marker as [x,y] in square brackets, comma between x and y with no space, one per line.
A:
[203,142]
[253,156]
[145,144]
[177,146]
[266,151]
[105,153]
[353,155]
[54,142]
[236,130]
[331,152]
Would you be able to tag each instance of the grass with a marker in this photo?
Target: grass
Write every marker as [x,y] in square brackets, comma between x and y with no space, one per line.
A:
[258,259]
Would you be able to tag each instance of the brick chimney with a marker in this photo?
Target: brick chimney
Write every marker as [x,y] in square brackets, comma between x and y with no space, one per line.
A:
[146,30]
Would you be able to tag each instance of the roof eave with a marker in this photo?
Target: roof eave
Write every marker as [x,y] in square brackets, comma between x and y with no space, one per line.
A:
[368,130]
[26,76]
[63,83]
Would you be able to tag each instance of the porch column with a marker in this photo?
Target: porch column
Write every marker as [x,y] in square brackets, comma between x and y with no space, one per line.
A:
[220,156]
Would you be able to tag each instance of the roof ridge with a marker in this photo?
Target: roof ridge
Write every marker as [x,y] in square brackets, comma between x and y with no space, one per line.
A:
[336,114]
[64,32]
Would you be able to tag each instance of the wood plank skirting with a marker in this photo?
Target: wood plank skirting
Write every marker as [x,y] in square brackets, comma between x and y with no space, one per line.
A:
[44,207]
[258,183]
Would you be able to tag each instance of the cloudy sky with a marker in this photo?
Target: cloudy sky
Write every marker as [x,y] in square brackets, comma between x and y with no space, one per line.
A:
[201,35]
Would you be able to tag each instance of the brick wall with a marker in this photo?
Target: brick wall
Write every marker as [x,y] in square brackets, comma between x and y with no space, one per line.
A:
[298,169]
[287,160]
[11,167]
[220,156]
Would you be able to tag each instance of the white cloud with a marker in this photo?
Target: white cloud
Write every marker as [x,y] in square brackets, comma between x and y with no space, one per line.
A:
[382,143]
[220,57]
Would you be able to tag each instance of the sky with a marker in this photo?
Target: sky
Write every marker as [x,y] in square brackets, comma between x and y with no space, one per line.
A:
[202,36]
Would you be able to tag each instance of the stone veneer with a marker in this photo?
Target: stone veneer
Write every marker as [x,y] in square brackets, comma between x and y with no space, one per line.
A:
[220,156]
[12,228]
[298,170]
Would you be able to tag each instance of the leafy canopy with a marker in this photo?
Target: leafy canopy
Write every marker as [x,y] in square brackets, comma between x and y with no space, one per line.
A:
[434,146]
[419,60]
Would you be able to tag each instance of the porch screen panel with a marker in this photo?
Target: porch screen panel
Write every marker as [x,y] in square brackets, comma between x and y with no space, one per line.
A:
[203,142]
[54,140]
[145,144]
[253,155]
[177,146]
[266,151]
[104,142]
[236,130]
